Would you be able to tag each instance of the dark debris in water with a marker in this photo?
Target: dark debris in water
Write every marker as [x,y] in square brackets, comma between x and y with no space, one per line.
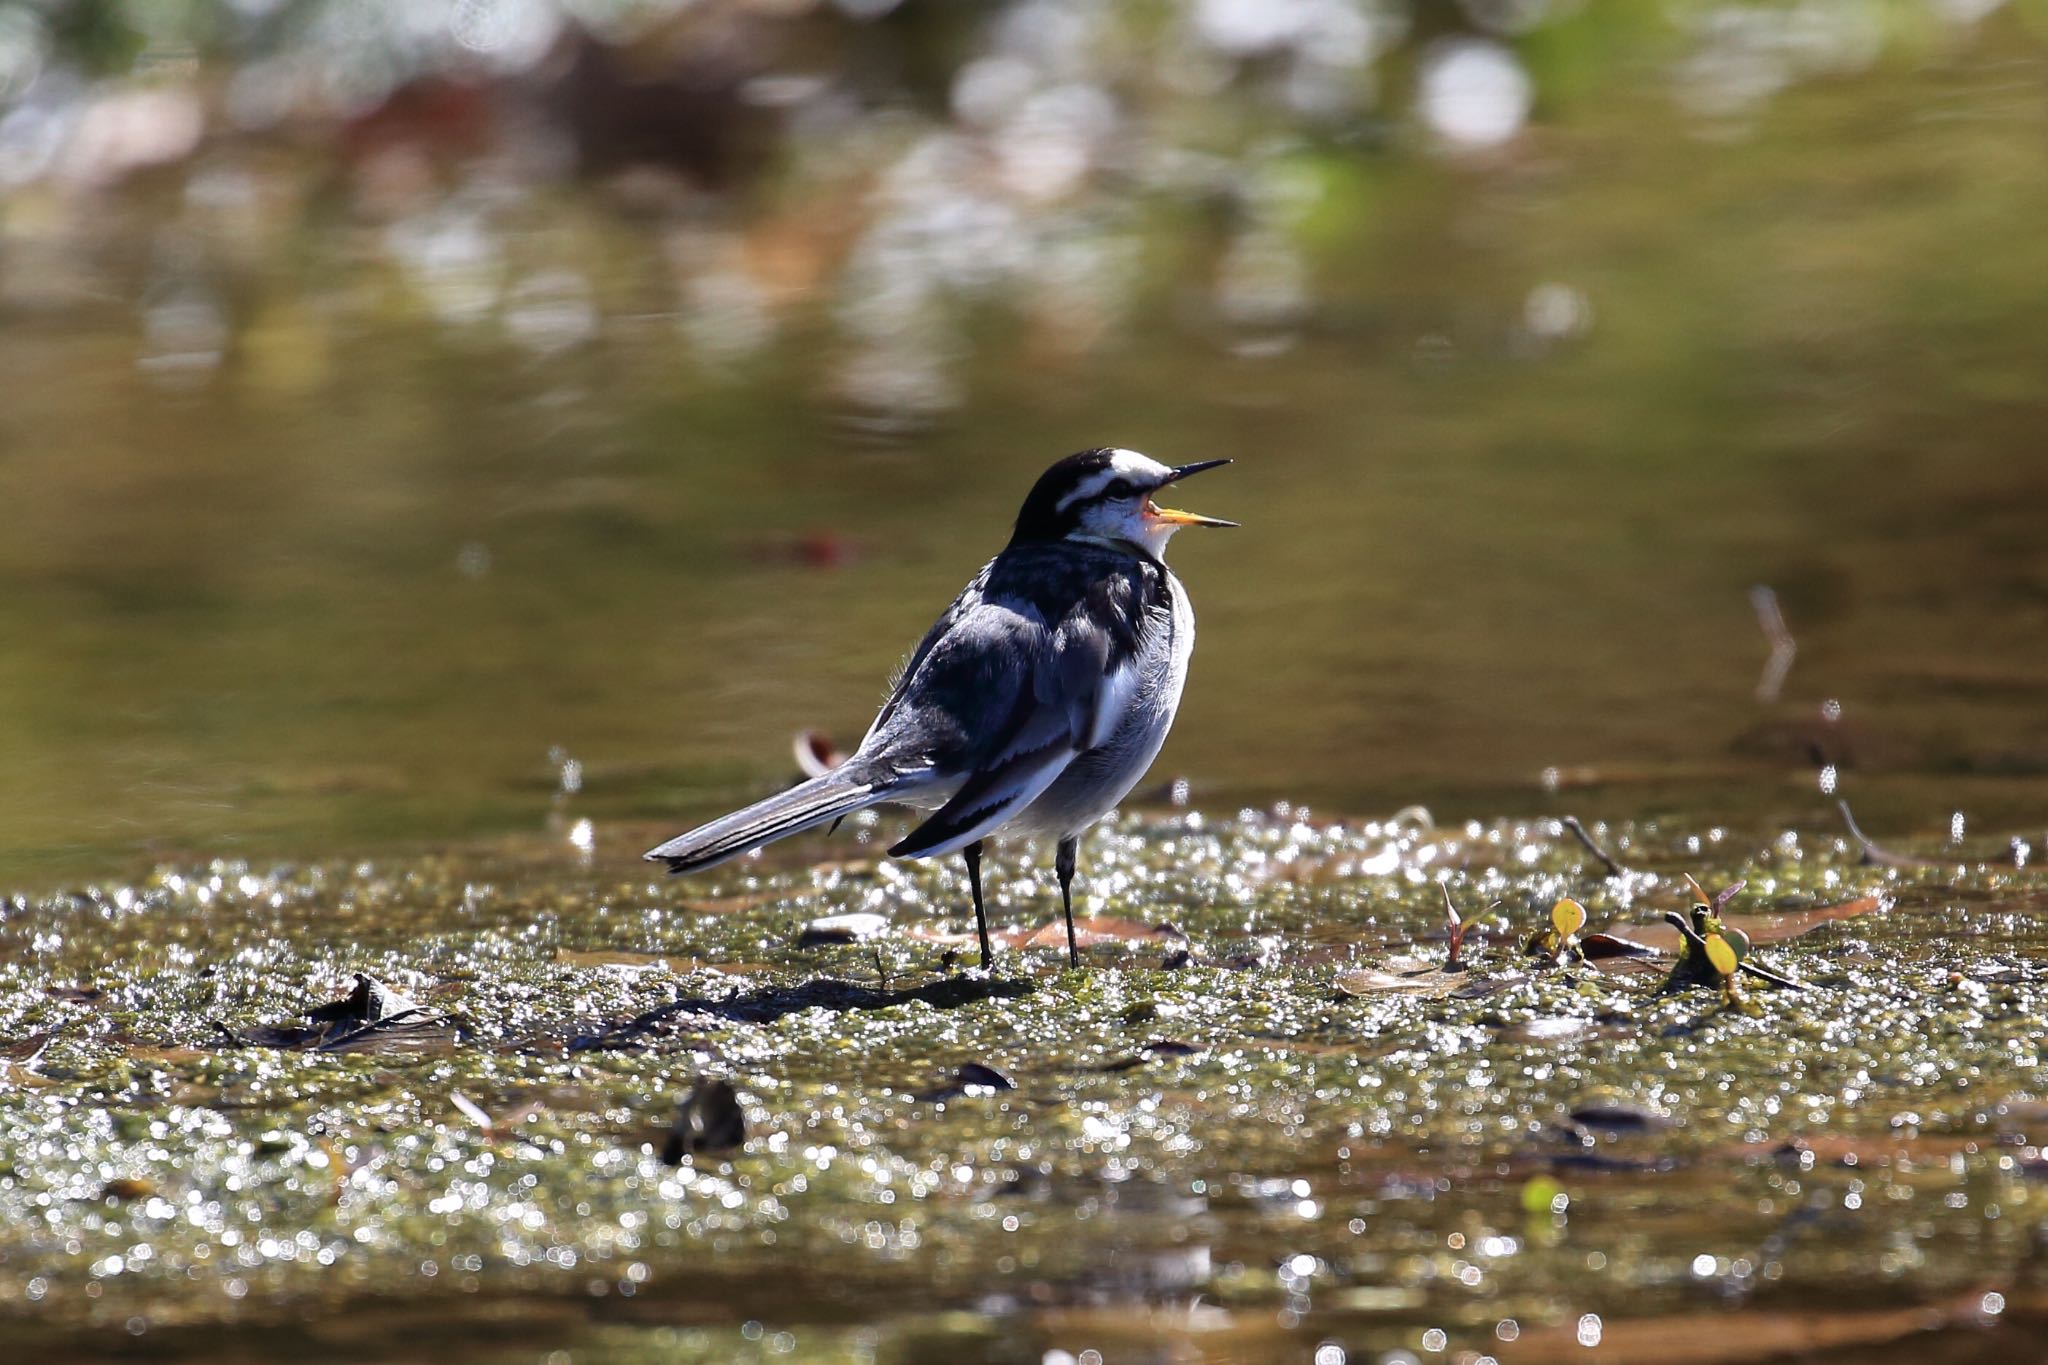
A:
[372,1016]
[709,1121]
[972,1079]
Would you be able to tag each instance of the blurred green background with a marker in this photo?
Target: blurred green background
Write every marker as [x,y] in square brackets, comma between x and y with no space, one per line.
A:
[414,414]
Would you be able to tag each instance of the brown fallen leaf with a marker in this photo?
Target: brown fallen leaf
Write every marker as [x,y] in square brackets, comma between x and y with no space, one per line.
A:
[1894,1151]
[1088,931]
[1411,977]
[29,1049]
[76,995]
[1726,1337]
[614,957]
[1769,926]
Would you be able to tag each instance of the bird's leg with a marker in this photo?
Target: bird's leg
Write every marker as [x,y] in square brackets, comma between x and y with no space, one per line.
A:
[972,853]
[1063,864]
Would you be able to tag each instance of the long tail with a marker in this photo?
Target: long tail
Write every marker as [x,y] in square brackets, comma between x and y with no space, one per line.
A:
[805,806]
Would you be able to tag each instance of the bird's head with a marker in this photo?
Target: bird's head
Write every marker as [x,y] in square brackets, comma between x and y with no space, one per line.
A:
[1106,495]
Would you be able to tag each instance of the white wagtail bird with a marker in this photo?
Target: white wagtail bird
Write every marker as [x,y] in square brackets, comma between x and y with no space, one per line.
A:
[1035,703]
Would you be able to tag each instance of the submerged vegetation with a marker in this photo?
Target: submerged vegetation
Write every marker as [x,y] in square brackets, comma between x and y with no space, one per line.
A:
[1264,1110]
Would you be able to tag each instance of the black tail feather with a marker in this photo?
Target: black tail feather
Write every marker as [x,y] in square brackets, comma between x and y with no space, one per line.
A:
[829,798]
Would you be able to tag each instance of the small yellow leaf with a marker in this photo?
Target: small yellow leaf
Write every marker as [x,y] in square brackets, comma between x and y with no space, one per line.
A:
[1699,893]
[1721,953]
[1568,917]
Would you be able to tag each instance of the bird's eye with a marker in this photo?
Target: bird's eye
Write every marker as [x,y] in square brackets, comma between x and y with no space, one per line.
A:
[1120,489]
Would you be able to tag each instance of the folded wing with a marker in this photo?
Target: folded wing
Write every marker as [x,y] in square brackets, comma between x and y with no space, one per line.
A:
[1035,695]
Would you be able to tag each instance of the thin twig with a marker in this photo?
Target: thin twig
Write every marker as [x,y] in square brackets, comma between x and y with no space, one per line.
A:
[1872,852]
[1775,978]
[1614,869]
[1686,931]
[1784,649]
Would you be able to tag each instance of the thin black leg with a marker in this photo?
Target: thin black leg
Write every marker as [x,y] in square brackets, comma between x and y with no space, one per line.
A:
[1063,864]
[972,853]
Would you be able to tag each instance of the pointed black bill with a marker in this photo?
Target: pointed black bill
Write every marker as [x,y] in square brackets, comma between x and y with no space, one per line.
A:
[1175,475]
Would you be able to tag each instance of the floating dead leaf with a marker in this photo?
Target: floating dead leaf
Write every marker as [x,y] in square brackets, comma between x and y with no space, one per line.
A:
[1769,926]
[1411,977]
[686,1019]
[371,1002]
[1901,1153]
[167,1056]
[1722,1338]
[27,1051]
[856,927]
[128,1187]
[1602,947]
[708,1121]
[619,960]
[1652,964]
[1260,954]
[1089,930]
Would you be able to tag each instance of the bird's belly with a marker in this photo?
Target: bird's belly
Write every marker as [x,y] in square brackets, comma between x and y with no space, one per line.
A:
[1093,784]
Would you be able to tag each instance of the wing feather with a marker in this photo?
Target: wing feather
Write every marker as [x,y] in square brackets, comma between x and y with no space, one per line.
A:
[1033,665]
[986,802]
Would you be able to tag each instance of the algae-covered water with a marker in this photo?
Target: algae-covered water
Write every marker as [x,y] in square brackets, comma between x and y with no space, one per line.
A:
[399,538]
[1261,1118]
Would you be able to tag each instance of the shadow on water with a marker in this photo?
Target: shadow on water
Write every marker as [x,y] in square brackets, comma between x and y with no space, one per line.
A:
[767,1006]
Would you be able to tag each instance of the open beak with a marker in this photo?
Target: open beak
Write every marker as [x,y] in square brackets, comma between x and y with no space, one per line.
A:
[1178,518]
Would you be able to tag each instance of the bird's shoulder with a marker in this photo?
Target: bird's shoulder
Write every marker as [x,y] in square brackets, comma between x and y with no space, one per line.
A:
[1053,581]
[1042,622]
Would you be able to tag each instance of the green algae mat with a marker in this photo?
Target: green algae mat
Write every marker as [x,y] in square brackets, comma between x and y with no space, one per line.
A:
[524,1100]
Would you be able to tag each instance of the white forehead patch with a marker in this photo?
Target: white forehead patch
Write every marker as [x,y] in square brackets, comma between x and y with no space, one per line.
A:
[1139,469]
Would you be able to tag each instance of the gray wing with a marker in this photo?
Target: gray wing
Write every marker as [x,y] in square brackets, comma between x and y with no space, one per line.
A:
[1033,664]
[1021,699]
[989,701]
[970,597]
